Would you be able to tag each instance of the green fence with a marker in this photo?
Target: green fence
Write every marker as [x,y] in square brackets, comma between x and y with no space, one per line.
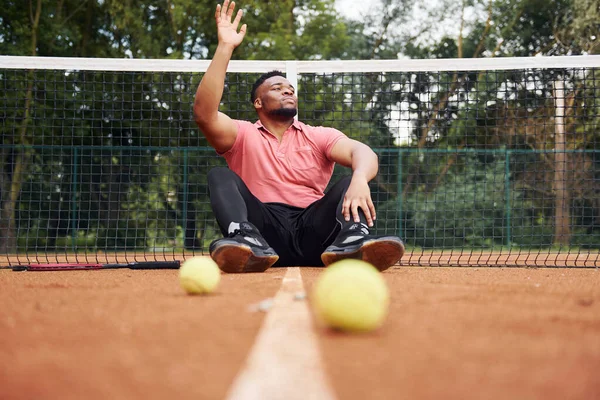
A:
[155,200]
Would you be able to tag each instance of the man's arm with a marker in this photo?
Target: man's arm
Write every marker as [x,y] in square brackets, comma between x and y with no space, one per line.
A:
[219,129]
[364,163]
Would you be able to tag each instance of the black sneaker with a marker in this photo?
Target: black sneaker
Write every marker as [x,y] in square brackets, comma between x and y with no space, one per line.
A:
[243,250]
[380,251]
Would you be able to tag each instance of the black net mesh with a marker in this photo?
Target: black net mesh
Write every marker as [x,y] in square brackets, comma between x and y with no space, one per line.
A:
[495,167]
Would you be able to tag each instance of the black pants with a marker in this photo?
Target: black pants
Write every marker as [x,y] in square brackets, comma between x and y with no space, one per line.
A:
[298,235]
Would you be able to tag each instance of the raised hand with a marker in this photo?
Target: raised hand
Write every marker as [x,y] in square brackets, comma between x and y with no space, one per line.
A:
[226,28]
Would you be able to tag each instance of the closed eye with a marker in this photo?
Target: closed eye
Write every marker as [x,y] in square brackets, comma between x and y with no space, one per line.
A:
[278,87]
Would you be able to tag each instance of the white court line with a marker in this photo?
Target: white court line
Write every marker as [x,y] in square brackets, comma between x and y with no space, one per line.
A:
[285,362]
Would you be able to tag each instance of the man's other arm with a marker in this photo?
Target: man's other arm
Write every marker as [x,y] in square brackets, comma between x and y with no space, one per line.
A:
[365,164]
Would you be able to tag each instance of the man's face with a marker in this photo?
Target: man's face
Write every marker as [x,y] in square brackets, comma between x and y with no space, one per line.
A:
[276,97]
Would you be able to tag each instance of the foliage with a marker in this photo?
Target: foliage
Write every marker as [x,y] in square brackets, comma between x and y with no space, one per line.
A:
[114,160]
[477,206]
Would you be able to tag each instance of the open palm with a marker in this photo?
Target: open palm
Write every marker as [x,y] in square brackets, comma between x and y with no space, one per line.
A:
[227,29]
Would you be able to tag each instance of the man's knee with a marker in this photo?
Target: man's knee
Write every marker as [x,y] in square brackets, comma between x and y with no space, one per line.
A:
[345,181]
[219,175]
[341,186]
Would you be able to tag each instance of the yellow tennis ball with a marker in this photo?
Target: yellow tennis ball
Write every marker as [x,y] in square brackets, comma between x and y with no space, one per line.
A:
[199,275]
[351,295]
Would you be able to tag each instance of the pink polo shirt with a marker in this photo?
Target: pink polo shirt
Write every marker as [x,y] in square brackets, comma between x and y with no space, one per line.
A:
[295,171]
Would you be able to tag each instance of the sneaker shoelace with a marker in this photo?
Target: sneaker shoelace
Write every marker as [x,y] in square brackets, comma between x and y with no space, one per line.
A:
[249,235]
[234,233]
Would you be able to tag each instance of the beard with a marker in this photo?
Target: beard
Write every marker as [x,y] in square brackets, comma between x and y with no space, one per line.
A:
[284,112]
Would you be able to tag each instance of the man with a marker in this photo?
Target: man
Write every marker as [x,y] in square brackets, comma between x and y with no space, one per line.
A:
[270,203]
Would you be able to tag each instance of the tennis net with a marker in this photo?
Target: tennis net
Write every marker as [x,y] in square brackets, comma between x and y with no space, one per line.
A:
[482,161]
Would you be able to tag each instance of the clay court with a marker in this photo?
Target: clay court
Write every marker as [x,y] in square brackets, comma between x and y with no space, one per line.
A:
[452,333]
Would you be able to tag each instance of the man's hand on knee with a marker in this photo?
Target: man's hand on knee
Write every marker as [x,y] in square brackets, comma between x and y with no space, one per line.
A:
[358,196]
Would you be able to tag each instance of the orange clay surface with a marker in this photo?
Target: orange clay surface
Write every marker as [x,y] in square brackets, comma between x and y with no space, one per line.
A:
[452,333]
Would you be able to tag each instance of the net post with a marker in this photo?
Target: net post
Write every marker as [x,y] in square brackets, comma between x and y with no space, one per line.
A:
[185,189]
[291,74]
[507,208]
[400,194]
[562,217]
[74,199]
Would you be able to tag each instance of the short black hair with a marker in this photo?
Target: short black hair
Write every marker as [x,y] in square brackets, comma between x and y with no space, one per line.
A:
[260,81]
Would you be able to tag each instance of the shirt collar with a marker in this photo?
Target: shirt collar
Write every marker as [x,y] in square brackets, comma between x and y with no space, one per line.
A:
[296,124]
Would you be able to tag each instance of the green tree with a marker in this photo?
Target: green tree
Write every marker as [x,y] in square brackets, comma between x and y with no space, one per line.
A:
[54,120]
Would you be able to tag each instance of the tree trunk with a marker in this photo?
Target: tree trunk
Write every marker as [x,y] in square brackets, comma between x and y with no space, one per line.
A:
[562,214]
[87,33]
[8,236]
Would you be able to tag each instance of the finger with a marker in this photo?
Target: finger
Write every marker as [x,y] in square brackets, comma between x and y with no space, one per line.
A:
[237,19]
[218,13]
[224,8]
[355,212]
[243,30]
[346,209]
[367,211]
[372,208]
[230,10]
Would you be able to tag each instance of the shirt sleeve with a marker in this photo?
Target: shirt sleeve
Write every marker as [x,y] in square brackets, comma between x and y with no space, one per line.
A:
[327,138]
[242,128]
